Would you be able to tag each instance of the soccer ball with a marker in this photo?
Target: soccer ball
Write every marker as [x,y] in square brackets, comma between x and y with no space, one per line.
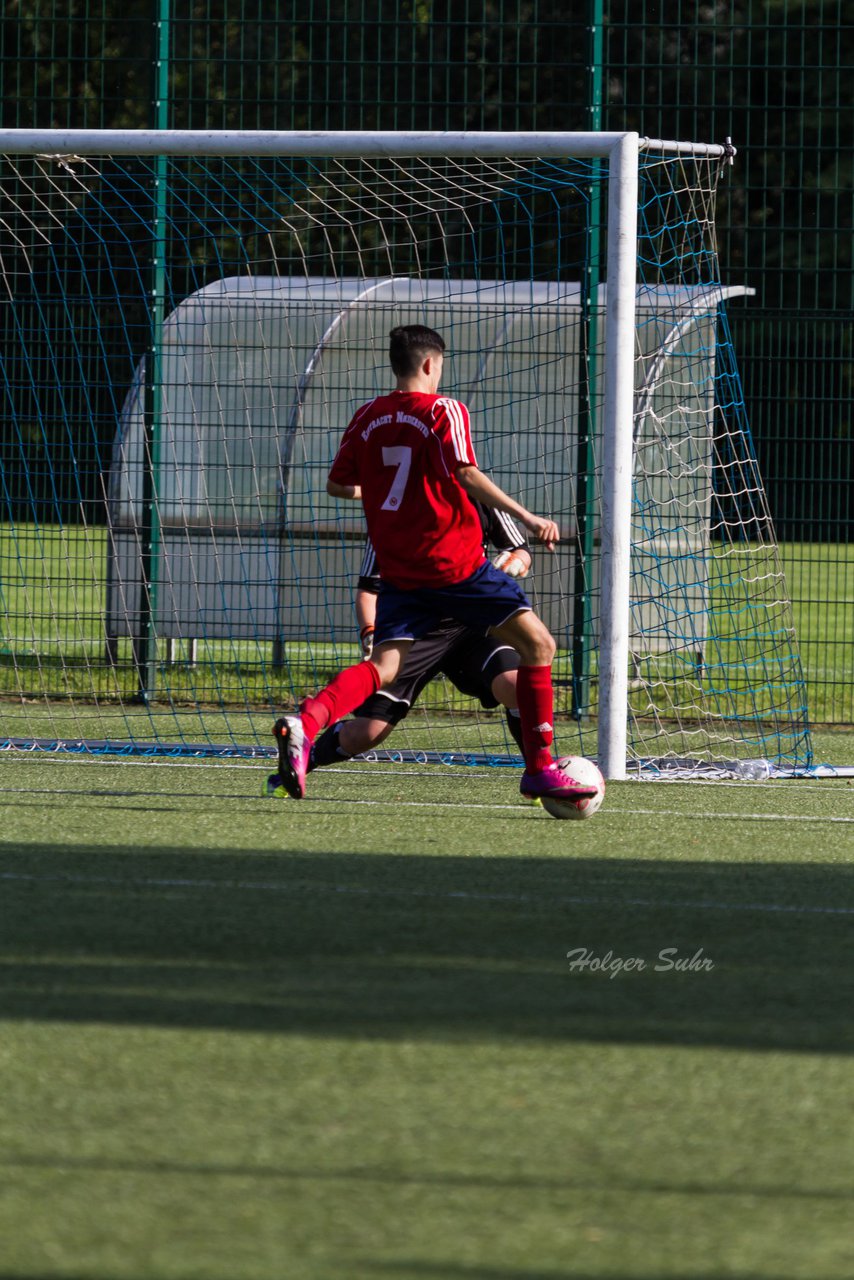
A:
[585,772]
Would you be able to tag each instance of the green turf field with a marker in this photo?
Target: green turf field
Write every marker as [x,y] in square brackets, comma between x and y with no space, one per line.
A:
[343,1040]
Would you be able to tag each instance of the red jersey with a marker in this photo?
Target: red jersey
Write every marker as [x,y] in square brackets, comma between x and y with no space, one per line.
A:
[404,450]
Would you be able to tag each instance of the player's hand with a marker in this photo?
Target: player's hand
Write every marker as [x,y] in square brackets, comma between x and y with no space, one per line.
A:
[545,532]
[366,640]
[515,563]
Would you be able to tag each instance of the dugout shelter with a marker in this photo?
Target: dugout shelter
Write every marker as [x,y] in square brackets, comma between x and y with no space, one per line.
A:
[257,376]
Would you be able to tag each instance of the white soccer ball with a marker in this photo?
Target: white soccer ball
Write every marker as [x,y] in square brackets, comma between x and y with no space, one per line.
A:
[585,772]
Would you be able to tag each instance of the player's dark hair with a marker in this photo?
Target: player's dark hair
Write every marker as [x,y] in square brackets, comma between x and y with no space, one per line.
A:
[409,344]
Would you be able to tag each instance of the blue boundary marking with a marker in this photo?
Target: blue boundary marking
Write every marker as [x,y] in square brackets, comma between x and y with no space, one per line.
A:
[223,751]
[667,767]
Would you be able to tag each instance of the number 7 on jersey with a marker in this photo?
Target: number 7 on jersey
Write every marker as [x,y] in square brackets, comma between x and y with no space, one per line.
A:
[399,456]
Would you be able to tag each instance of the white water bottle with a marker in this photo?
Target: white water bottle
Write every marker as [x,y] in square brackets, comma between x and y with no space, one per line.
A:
[756,770]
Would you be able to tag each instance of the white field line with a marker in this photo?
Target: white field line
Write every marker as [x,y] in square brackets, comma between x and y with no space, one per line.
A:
[424,804]
[194,884]
[520,807]
[448,772]
[745,817]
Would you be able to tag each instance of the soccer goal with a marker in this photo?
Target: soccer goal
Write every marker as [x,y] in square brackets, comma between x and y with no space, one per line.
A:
[191,319]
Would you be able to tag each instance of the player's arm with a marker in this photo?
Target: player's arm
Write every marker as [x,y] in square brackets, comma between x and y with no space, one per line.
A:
[508,540]
[366,617]
[479,487]
[343,478]
[367,590]
[352,492]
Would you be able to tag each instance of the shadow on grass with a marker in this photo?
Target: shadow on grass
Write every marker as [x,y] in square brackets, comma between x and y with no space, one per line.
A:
[391,945]
[462,1271]
[383,1177]
[406,1270]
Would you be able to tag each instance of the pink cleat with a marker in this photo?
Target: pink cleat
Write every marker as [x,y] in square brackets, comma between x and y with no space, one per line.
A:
[557,783]
[294,750]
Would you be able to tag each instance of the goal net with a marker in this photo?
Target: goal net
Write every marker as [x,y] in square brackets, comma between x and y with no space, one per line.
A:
[188,329]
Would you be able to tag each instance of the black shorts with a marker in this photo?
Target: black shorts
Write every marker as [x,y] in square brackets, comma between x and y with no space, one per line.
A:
[469,660]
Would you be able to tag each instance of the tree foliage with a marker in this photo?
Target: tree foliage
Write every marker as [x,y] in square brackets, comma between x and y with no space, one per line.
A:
[771,74]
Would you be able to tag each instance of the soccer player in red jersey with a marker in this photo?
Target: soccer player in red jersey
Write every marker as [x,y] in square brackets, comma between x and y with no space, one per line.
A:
[409,458]
[479,665]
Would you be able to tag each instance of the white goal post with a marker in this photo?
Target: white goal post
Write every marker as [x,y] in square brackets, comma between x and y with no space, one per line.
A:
[621,154]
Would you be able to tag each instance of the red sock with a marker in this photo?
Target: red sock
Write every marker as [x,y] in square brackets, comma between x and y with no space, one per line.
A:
[342,695]
[536,711]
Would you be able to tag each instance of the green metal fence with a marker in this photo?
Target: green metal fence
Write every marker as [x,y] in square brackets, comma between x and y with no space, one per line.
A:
[772,74]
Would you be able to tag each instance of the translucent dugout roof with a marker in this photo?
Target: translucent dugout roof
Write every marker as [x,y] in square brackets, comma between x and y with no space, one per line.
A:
[260,374]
